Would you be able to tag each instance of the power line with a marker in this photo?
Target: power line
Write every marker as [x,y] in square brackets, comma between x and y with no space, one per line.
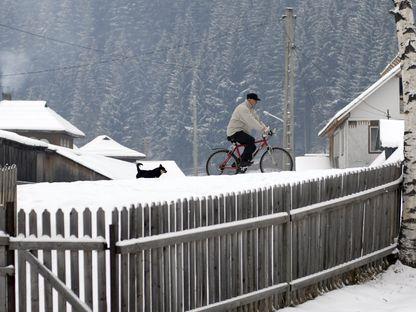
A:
[123,58]
[50,38]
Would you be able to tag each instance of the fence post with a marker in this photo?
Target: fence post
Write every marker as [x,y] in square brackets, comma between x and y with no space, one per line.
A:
[289,243]
[113,268]
[11,231]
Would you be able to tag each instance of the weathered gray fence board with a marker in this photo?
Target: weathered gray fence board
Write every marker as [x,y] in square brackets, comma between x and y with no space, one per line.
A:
[61,261]
[47,259]
[87,231]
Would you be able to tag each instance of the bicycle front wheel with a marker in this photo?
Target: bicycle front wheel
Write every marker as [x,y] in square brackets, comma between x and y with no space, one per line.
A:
[276,159]
[222,162]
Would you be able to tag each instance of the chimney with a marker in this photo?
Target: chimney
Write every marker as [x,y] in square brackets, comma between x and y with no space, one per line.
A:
[6,96]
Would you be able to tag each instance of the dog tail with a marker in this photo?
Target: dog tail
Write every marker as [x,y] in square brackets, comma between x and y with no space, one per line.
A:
[138,166]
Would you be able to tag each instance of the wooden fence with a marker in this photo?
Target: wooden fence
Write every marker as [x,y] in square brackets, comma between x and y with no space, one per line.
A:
[252,251]
[8,194]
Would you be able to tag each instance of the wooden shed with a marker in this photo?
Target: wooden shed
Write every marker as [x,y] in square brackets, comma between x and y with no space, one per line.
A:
[35,119]
[37,162]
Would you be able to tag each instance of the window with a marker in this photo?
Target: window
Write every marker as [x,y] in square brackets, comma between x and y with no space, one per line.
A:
[374,137]
[65,142]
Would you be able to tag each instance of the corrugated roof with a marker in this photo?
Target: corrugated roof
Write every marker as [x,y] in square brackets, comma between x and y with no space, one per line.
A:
[357,101]
[34,116]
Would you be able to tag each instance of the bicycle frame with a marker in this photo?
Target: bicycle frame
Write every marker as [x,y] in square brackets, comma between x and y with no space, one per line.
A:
[262,143]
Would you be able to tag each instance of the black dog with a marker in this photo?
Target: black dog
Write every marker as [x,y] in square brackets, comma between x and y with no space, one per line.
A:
[154,173]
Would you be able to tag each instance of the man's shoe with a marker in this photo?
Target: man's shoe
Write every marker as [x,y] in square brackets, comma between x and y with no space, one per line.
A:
[245,163]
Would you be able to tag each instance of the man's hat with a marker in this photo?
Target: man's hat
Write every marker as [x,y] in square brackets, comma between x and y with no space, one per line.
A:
[253,96]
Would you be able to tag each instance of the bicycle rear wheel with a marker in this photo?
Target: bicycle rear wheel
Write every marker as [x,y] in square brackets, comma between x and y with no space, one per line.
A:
[276,159]
[222,162]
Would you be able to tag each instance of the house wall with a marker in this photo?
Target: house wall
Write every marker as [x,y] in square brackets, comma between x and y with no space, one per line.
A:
[375,106]
[357,144]
[338,158]
[56,138]
[38,164]
[351,139]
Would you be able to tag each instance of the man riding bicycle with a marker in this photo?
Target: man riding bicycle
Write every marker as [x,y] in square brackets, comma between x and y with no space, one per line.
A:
[243,120]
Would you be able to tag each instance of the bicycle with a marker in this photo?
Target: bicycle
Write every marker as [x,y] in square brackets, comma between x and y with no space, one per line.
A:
[226,161]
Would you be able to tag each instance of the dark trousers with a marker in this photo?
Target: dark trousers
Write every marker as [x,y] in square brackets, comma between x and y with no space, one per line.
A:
[246,139]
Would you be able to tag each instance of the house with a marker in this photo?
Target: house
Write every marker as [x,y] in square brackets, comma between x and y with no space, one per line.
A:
[38,161]
[35,119]
[106,146]
[353,132]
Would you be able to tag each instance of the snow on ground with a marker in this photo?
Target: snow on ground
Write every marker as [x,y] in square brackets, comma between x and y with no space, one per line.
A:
[391,291]
[119,193]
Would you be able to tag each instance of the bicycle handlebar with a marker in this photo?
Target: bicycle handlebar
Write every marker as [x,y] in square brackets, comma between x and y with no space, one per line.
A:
[269,133]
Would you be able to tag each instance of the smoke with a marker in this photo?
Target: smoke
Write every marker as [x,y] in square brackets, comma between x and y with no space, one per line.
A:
[13,63]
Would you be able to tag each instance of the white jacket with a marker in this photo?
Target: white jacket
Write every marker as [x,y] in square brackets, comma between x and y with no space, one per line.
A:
[244,118]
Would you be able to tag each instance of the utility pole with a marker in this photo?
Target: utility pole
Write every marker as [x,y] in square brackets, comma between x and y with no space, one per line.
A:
[406,36]
[194,107]
[195,134]
[288,129]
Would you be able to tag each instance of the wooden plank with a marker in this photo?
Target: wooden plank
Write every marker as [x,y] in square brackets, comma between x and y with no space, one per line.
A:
[192,255]
[63,291]
[223,265]
[172,260]
[216,256]
[124,263]
[21,230]
[61,261]
[47,259]
[185,246]
[140,261]
[211,247]
[227,268]
[199,257]
[146,259]
[155,260]
[164,304]
[132,233]
[340,269]
[244,243]
[73,232]
[243,300]
[114,262]
[340,202]
[34,278]
[101,264]
[204,254]
[179,259]
[57,243]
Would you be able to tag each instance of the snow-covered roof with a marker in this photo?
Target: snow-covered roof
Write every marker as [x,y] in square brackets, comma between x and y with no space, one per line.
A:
[106,146]
[113,168]
[391,133]
[358,100]
[34,116]
[21,139]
